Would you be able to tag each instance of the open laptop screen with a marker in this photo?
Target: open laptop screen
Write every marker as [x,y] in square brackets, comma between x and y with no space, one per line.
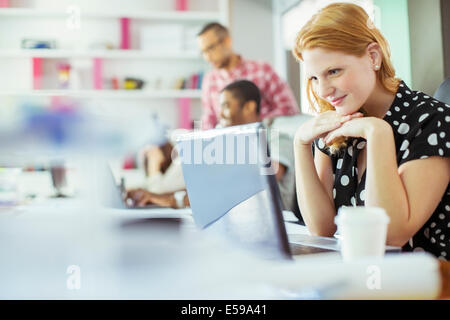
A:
[231,185]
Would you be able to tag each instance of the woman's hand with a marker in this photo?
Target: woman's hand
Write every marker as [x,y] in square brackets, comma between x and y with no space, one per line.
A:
[141,198]
[356,128]
[320,125]
[134,196]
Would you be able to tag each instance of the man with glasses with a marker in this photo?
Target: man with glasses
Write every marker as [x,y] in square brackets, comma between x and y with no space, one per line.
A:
[216,45]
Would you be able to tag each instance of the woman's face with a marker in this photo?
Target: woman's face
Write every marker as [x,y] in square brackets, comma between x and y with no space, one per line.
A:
[345,81]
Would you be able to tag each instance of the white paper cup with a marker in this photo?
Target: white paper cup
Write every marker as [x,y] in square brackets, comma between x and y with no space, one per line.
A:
[363,232]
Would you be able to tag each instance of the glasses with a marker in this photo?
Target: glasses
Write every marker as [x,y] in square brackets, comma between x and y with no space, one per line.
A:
[212,47]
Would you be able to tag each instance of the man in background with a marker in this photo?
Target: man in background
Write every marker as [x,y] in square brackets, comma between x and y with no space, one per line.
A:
[215,43]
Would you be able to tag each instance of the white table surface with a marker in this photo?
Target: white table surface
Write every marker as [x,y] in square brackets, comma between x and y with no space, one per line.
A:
[40,241]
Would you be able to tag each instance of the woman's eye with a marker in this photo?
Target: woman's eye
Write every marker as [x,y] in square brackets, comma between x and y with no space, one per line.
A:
[334,71]
[313,78]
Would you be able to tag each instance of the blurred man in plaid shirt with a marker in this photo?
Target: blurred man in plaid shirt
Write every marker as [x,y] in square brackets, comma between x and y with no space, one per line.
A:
[216,46]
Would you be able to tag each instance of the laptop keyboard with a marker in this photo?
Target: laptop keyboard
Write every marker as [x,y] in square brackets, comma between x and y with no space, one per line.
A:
[298,249]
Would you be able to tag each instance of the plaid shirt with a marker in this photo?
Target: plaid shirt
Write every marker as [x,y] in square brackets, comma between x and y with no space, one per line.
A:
[277,98]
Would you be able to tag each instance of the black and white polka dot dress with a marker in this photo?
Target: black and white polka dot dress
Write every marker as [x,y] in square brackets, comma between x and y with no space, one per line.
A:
[421,130]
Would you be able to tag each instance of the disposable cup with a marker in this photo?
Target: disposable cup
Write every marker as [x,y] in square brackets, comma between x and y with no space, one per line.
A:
[363,232]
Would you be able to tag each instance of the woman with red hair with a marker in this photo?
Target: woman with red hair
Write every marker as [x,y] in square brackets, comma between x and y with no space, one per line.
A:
[378,143]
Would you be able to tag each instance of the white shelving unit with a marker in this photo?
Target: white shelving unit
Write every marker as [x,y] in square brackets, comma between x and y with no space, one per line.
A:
[100,23]
[105,54]
[107,94]
[165,16]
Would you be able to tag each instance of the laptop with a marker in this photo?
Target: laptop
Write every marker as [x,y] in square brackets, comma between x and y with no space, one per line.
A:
[111,195]
[233,192]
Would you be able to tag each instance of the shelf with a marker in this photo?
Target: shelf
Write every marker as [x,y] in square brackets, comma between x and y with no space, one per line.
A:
[32,72]
[182,16]
[106,54]
[108,94]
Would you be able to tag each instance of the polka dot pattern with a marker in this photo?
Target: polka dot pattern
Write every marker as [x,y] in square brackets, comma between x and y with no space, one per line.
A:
[404,145]
[432,139]
[423,117]
[421,130]
[350,150]
[345,180]
[403,128]
[361,145]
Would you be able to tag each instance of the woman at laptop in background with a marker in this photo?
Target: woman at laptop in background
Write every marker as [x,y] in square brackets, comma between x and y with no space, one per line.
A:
[378,143]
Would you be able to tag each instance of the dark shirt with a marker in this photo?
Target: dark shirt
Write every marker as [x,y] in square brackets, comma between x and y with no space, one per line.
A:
[421,130]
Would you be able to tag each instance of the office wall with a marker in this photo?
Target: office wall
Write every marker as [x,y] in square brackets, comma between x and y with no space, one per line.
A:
[418,59]
[427,62]
[252,29]
[445,20]
[394,25]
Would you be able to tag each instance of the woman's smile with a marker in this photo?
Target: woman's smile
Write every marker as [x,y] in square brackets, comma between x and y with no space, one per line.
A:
[338,101]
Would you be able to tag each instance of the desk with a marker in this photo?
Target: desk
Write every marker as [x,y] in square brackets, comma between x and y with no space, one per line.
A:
[49,247]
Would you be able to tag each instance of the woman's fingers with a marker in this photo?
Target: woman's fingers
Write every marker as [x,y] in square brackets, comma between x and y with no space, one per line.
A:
[333,118]
[327,127]
[322,125]
[130,194]
[329,137]
[357,115]
[136,194]
[345,118]
[144,201]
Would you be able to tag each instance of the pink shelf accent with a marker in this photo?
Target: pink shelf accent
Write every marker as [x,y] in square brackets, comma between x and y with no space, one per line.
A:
[125,42]
[185,121]
[97,73]
[129,162]
[37,73]
[4,3]
[181,5]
